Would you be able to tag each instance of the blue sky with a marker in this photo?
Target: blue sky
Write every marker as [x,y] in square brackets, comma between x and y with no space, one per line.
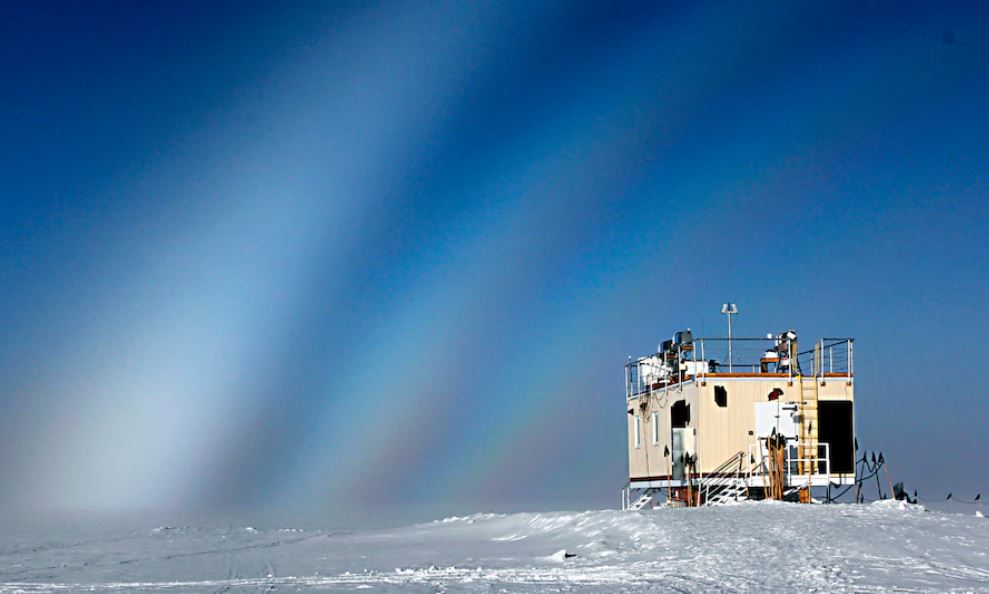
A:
[352,254]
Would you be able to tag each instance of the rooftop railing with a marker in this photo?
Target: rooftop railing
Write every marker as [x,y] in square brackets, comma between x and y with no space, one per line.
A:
[704,357]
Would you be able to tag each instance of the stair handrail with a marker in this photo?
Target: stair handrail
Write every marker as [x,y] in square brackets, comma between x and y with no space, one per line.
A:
[643,499]
[714,483]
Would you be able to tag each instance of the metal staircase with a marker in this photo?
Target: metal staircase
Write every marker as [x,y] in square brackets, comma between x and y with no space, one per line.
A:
[725,483]
[643,500]
[734,490]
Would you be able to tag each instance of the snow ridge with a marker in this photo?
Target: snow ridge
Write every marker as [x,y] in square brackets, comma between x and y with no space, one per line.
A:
[754,547]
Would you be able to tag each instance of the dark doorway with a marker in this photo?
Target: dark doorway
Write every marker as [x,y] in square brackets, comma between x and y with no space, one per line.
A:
[836,427]
[680,414]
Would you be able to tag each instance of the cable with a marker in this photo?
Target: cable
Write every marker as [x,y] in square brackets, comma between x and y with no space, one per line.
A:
[873,470]
[951,497]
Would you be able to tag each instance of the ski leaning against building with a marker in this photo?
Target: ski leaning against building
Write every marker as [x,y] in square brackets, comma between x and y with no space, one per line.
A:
[767,422]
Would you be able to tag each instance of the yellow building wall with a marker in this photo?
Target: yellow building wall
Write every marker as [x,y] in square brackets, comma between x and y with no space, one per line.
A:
[647,461]
[721,431]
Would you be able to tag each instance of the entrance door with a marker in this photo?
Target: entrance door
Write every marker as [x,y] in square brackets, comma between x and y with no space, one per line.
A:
[837,429]
[683,446]
[683,438]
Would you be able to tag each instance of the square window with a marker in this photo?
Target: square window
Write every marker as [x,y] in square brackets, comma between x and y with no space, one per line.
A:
[721,396]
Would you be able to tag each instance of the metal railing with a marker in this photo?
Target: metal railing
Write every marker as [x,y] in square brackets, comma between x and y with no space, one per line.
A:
[799,470]
[830,357]
[746,354]
[722,478]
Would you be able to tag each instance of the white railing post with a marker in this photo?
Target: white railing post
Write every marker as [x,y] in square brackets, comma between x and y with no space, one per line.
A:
[681,374]
[627,387]
[792,361]
[693,355]
[703,359]
[851,358]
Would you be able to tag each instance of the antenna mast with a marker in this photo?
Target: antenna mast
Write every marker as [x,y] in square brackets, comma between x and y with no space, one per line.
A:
[729,309]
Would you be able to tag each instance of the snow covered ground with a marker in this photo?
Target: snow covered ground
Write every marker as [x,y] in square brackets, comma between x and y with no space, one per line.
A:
[749,547]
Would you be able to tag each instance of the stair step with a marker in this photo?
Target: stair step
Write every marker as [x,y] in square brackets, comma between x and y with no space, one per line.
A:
[643,500]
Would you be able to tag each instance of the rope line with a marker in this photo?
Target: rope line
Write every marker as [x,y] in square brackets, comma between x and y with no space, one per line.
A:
[878,463]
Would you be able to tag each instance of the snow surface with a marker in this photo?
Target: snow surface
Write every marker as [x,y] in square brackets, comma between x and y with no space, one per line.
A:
[748,547]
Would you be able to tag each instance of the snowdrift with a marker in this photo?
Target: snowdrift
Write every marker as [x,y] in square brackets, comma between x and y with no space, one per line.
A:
[749,547]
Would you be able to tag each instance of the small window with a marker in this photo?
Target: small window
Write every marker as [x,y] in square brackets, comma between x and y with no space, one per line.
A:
[655,428]
[638,430]
[721,396]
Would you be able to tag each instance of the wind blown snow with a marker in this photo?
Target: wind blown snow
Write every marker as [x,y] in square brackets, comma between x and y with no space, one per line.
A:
[748,547]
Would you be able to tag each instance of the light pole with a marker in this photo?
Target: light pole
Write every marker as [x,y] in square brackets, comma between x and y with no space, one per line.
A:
[729,309]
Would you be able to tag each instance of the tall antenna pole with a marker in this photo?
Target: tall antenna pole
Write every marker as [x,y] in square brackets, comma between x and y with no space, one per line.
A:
[729,309]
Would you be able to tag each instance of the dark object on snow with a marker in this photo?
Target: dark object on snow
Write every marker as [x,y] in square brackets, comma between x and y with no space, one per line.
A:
[901,495]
